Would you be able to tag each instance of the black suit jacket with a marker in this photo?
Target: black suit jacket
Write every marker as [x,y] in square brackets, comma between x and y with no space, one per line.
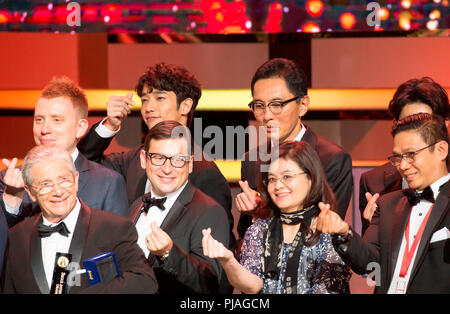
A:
[3,239]
[187,270]
[24,271]
[98,187]
[337,165]
[383,179]
[382,240]
[205,175]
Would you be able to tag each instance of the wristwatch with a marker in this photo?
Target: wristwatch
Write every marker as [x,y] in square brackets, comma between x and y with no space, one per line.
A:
[340,240]
[164,257]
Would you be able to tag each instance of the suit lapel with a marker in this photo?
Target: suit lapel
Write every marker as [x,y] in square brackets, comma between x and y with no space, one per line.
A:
[80,234]
[400,217]
[392,180]
[310,138]
[178,209]
[36,257]
[82,165]
[437,213]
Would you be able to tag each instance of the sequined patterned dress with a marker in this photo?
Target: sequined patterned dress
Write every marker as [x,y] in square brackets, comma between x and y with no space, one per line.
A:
[320,268]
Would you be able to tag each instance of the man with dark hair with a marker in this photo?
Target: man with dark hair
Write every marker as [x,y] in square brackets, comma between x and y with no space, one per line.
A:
[67,231]
[409,235]
[280,100]
[170,218]
[60,118]
[167,92]
[413,96]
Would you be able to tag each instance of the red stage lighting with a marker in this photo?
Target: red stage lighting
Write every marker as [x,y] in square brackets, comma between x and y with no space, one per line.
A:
[310,27]
[347,20]
[383,14]
[314,7]
[5,17]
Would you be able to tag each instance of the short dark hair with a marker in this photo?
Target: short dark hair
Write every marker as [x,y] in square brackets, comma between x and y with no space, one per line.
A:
[172,78]
[286,69]
[423,90]
[166,130]
[65,87]
[307,159]
[431,128]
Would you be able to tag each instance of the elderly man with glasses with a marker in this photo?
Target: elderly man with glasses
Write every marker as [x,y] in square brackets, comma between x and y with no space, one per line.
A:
[66,232]
[170,218]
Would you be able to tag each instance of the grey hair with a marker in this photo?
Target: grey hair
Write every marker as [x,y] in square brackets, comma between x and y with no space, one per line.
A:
[44,153]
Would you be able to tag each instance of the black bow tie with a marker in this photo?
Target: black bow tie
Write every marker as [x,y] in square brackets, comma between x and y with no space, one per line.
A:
[414,197]
[151,201]
[46,231]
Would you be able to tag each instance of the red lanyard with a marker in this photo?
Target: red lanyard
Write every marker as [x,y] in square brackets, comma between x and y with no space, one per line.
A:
[409,253]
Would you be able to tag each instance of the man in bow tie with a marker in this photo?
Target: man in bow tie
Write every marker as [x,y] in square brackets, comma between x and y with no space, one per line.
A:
[68,226]
[409,235]
[171,217]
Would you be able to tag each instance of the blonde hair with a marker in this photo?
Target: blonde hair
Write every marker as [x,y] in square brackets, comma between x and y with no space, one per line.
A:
[65,87]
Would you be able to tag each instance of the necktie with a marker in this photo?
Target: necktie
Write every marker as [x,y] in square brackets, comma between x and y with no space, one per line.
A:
[152,201]
[46,231]
[414,197]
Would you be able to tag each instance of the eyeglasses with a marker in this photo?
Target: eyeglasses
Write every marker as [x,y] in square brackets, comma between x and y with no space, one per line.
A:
[47,187]
[286,179]
[275,106]
[177,161]
[409,157]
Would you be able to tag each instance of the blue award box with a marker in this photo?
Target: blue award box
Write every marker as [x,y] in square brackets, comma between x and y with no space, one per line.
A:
[101,268]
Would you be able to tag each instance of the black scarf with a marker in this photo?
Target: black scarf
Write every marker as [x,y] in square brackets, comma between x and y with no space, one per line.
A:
[273,243]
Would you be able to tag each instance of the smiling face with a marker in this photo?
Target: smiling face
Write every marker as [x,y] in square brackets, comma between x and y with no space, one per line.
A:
[289,195]
[57,122]
[58,203]
[286,125]
[166,179]
[427,167]
[160,106]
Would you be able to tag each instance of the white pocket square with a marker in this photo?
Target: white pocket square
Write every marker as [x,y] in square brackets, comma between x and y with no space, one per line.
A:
[440,235]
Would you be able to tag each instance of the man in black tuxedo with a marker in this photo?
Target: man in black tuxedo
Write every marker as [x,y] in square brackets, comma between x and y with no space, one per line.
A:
[411,97]
[280,100]
[409,237]
[67,225]
[170,218]
[167,92]
[60,118]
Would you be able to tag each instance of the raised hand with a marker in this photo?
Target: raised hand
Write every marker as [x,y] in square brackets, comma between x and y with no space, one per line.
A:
[117,109]
[371,206]
[14,186]
[213,248]
[329,222]
[248,200]
[158,242]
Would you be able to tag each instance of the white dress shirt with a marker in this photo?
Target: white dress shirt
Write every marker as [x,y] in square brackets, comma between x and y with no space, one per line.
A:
[418,213]
[155,214]
[57,242]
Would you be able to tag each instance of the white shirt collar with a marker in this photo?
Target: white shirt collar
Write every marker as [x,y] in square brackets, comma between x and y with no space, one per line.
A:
[75,154]
[70,220]
[437,184]
[172,197]
[299,136]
